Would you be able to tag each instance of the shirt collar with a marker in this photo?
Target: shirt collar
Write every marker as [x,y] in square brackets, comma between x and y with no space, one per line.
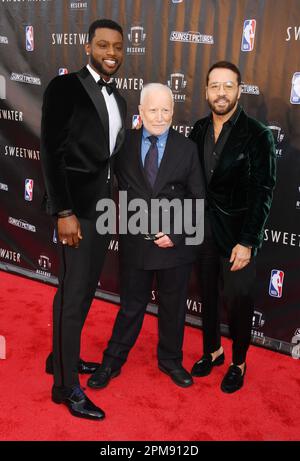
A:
[161,138]
[95,75]
[233,119]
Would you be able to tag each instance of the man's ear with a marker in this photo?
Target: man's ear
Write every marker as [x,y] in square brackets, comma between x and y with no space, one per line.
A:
[87,47]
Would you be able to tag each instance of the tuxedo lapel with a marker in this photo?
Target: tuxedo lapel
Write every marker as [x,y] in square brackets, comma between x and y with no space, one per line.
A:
[233,147]
[97,99]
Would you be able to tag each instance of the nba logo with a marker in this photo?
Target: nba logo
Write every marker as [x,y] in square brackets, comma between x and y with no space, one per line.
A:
[295,90]
[136,122]
[248,35]
[28,190]
[63,71]
[29,38]
[276,282]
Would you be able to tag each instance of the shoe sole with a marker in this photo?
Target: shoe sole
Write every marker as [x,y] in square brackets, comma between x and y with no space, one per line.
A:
[206,374]
[175,382]
[102,386]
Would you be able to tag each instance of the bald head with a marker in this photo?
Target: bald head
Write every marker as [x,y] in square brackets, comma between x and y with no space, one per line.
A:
[156,108]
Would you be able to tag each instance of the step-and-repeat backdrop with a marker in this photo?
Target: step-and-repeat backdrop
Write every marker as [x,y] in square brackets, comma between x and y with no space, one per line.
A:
[173,42]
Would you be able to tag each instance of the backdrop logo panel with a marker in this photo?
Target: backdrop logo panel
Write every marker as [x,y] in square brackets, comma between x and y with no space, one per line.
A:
[3,40]
[177,83]
[296,341]
[25,78]
[20,152]
[274,236]
[11,115]
[69,39]
[45,266]
[258,321]
[250,89]
[63,71]
[191,37]
[29,36]
[3,187]
[295,90]
[129,83]
[136,121]
[293,33]
[194,306]
[22,224]
[28,193]
[136,36]
[10,255]
[276,283]
[2,87]
[78,5]
[248,35]
[278,137]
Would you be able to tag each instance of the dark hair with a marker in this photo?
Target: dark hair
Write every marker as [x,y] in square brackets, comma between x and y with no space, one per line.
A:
[225,65]
[103,24]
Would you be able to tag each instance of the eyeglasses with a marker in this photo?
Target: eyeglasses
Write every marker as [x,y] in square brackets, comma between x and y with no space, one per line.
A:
[227,86]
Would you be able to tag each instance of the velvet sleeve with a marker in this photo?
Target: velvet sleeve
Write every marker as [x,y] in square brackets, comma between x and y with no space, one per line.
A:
[261,185]
[56,115]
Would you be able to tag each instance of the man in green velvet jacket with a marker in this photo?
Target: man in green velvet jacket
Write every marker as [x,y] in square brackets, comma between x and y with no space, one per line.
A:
[237,154]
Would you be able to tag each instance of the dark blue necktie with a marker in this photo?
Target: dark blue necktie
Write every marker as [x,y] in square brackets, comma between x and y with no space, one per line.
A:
[151,161]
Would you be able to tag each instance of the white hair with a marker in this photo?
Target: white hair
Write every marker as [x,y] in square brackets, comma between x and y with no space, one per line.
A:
[149,87]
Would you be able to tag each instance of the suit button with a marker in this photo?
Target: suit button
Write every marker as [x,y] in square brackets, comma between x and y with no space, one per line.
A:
[172,187]
[211,171]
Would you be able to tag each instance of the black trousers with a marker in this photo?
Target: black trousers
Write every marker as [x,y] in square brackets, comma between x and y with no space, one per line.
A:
[235,289]
[79,274]
[135,294]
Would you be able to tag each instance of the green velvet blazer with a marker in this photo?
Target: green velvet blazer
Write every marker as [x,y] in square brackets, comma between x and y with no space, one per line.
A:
[239,193]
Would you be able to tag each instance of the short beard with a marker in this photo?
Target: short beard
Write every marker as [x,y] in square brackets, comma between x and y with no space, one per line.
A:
[100,69]
[224,111]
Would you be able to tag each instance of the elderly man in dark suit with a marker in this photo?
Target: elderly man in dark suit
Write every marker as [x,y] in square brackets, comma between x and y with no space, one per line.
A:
[155,163]
[238,156]
[82,130]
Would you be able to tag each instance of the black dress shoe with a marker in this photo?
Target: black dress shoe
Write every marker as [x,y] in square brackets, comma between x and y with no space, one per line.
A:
[204,366]
[102,376]
[233,380]
[83,367]
[77,402]
[179,375]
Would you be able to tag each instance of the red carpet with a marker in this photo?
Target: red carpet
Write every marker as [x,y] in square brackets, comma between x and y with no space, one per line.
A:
[142,403]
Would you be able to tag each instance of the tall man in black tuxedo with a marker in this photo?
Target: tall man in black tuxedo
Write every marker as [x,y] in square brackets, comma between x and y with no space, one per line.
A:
[82,130]
[155,162]
[238,156]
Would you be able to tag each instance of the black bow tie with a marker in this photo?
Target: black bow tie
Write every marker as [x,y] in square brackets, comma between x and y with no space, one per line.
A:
[110,86]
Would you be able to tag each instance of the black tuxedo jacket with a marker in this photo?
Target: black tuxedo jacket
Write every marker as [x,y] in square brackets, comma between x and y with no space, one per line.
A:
[75,143]
[179,176]
[239,194]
